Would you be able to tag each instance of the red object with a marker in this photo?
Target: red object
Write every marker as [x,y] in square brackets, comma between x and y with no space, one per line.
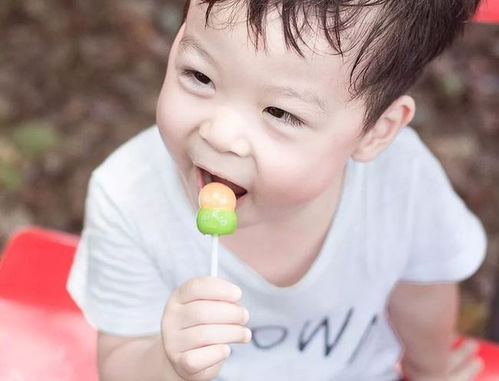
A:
[43,334]
[489,352]
[488,11]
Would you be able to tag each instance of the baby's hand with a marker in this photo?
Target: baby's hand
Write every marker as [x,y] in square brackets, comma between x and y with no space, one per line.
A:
[200,319]
[464,364]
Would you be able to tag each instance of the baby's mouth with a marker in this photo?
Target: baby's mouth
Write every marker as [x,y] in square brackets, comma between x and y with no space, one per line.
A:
[207,177]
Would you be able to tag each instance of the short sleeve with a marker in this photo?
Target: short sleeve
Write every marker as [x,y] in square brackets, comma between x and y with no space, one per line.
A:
[447,241]
[113,280]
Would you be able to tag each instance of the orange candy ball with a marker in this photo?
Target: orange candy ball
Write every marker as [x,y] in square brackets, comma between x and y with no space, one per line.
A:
[217,196]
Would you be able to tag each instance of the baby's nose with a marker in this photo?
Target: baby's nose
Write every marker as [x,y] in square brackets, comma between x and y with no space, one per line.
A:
[224,133]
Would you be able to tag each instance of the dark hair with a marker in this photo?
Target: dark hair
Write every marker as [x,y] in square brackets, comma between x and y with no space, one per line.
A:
[402,37]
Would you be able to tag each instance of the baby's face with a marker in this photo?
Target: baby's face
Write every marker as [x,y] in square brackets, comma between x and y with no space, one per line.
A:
[276,124]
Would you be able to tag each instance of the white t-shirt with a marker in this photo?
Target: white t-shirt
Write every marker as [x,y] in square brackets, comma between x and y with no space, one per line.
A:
[398,219]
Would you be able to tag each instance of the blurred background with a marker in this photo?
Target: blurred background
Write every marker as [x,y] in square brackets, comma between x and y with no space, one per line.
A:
[78,78]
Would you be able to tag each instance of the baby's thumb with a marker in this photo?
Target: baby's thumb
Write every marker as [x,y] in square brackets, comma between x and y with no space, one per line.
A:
[468,371]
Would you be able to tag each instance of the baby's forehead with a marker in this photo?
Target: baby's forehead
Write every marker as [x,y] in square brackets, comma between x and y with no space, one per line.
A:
[302,33]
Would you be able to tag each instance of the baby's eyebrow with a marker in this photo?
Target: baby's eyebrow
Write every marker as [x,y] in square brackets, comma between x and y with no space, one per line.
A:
[305,96]
[190,43]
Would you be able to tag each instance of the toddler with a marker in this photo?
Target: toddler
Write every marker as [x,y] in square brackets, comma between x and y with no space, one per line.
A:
[350,240]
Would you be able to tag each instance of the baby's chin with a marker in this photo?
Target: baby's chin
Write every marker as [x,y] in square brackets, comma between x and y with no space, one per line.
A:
[252,211]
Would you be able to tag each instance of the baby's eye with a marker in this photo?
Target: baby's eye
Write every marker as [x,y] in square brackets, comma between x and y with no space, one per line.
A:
[285,116]
[196,76]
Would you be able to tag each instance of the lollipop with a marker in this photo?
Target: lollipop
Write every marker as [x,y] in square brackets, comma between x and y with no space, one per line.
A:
[216,215]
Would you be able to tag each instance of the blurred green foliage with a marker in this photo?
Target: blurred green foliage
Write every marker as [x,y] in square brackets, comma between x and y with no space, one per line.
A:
[27,142]
[10,176]
[35,138]
[452,84]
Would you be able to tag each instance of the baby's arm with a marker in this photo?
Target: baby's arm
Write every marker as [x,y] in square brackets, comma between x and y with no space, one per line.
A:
[139,358]
[424,317]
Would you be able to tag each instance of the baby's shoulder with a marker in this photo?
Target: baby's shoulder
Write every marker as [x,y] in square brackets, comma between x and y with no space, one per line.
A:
[134,164]
[406,155]
[407,145]
[406,168]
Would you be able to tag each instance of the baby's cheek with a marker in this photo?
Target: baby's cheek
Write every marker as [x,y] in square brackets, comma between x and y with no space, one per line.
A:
[287,186]
[170,113]
[166,112]
[297,183]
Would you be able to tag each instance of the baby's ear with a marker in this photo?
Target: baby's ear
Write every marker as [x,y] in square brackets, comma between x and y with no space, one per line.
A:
[396,116]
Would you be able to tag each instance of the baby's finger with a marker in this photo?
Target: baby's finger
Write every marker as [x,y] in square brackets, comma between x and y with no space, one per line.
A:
[212,312]
[199,359]
[460,355]
[208,288]
[202,335]
[208,374]
[469,371]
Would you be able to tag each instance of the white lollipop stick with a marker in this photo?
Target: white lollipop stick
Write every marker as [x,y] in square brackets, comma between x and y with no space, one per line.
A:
[214,255]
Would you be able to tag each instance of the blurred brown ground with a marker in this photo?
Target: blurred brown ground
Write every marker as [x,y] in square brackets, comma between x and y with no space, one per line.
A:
[79,78]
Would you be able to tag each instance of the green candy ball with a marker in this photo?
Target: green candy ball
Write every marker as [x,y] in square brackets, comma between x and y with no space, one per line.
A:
[216,221]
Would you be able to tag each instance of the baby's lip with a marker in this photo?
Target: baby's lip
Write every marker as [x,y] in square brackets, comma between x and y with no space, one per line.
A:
[219,177]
